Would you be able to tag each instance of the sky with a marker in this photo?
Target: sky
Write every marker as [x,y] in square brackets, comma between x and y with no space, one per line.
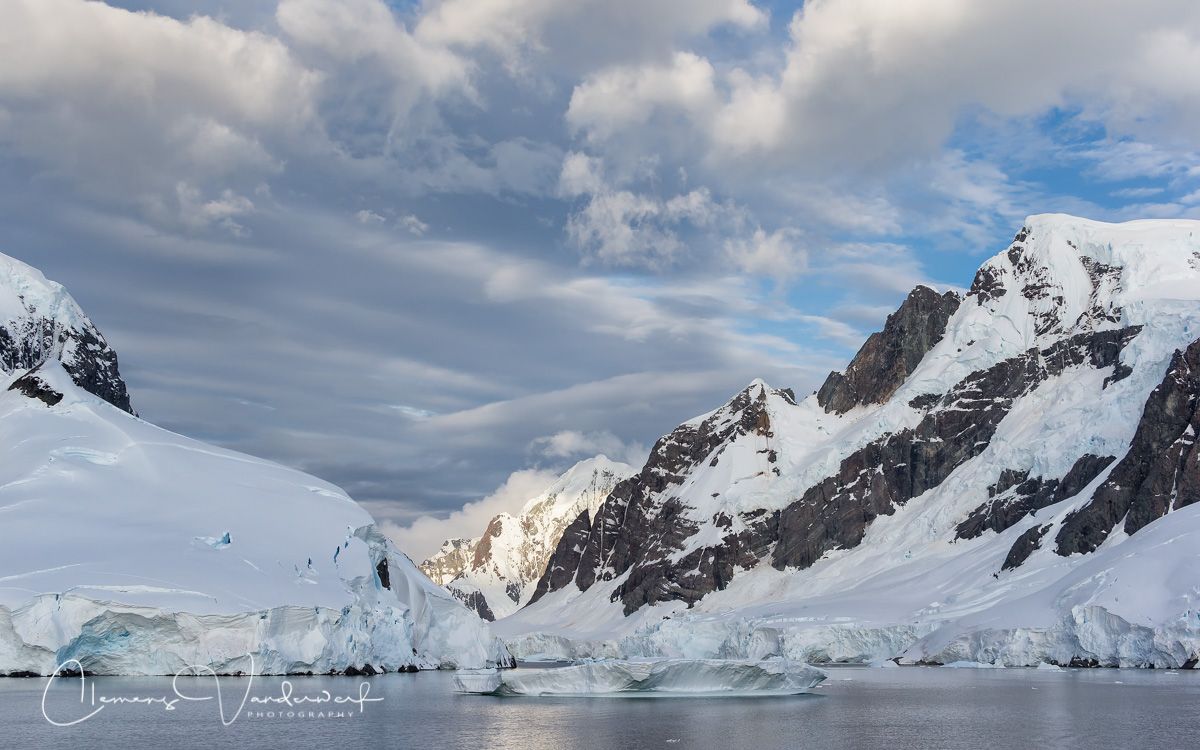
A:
[437,251]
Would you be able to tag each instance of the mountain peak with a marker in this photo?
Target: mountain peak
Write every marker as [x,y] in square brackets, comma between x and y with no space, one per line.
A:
[494,573]
[40,321]
[889,356]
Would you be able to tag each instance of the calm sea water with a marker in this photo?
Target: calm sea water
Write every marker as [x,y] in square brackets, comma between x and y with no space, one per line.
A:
[856,708]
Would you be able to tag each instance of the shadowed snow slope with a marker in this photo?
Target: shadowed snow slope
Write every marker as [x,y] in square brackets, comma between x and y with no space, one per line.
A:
[138,551]
[1007,477]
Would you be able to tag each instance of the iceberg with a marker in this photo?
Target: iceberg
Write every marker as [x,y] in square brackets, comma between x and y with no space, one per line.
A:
[661,677]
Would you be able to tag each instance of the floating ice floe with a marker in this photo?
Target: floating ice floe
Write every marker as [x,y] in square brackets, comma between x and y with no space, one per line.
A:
[973,665]
[664,677]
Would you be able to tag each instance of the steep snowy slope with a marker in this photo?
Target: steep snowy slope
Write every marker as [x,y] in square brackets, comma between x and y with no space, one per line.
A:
[1007,477]
[511,555]
[138,551]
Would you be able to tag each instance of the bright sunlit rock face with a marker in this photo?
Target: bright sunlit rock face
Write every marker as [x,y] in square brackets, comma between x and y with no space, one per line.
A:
[662,677]
[496,573]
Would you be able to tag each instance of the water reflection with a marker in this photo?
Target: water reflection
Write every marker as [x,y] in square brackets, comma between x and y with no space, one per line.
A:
[855,708]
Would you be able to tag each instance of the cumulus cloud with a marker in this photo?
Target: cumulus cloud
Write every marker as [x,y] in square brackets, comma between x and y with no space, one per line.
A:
[579,35]
[222,210]
[382,71]
[625,227]
[775,255]
[864,82]
[108,97]
[625,96]
[413,225]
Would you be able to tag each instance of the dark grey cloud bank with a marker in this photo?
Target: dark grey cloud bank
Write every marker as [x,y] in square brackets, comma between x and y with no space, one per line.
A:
[417,247]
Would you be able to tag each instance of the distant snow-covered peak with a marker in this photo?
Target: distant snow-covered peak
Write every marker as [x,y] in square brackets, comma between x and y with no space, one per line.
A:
[580,480]
[495,572]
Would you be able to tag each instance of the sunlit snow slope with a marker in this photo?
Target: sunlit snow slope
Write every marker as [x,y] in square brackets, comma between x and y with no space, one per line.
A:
[499,570]
[1011,476]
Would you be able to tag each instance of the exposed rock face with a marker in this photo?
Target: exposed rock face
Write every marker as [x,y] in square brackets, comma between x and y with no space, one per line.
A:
[450,561]
[564,561]
[383,573]
[1028,543]
[505,563]
[476,601]
[898,467]
[643,531]
[644,503]
[890,355]
[703,570]
[39,321]
[1161,471]
[1017,495]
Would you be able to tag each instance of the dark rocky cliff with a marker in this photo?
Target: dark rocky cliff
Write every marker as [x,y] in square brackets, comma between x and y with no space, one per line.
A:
[1161,471]
[29,341]
[889,356]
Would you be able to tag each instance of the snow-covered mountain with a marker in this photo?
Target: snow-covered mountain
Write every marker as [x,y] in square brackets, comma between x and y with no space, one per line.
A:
[138,551]
[39,321]
[495,574]
[1011,476]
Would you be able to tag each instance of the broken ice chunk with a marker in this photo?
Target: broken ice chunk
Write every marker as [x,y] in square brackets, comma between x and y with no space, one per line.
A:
[215,542]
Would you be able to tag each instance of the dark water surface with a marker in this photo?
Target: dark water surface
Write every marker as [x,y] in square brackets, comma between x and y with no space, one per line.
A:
[855,708]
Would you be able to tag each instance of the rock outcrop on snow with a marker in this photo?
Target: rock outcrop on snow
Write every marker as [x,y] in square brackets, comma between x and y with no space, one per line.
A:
[985,482]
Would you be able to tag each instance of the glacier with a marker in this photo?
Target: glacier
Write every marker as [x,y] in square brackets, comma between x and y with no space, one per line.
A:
[105,559]
[136,551]
[914,587]
[651,677]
